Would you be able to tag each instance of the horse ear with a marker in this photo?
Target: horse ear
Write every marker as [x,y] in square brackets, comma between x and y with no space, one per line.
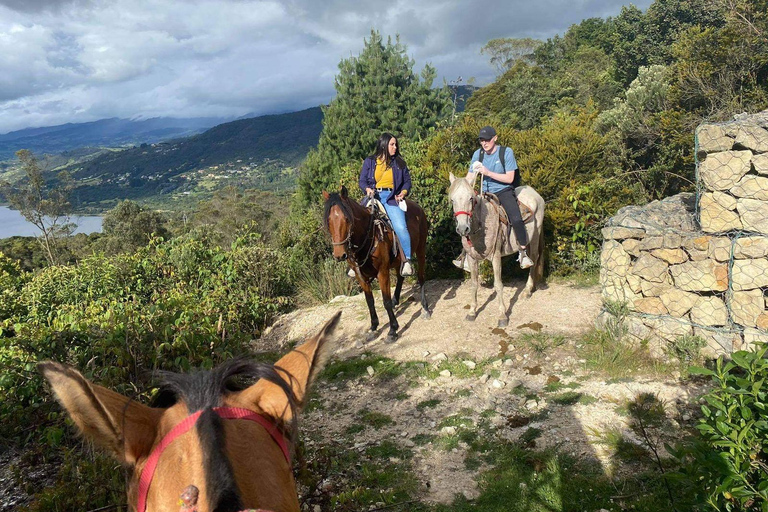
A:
[343,192]
[452,178]
[326,195]
[125,428]
[471,178]
[299,368]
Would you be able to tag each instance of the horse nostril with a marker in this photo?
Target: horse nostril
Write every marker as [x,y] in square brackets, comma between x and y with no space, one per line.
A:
[344,257]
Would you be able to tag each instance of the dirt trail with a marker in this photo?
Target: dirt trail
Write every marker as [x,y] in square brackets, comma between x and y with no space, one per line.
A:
[513,387]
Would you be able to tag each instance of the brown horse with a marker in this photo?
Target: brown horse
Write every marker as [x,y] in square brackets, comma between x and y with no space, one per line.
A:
[208,437]
[367,245]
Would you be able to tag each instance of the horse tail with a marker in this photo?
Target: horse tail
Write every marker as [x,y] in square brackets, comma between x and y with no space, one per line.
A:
[538,267]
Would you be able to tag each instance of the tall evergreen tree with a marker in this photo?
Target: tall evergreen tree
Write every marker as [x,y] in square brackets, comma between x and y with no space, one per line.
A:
[376,91]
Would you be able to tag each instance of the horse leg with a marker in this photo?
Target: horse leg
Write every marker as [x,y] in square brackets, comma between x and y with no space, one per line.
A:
[474,283]
[421,257]
[498,285]
[398,287]
[536,273]
[386,295]
[371,309]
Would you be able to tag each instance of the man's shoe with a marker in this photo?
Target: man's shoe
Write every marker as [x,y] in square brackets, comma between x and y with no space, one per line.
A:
[351,272]
[407,269]
[525,261]
[462,262]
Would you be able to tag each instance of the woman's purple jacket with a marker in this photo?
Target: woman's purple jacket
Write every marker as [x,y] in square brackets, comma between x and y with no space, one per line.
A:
[400,176]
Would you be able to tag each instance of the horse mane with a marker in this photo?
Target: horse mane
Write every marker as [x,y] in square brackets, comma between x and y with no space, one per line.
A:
[203,390]
[335,199]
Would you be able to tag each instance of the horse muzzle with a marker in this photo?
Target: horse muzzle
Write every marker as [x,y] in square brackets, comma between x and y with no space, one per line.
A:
[462,228]
[342,257]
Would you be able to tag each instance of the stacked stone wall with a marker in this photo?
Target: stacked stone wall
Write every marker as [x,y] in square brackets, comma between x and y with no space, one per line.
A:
[697,265]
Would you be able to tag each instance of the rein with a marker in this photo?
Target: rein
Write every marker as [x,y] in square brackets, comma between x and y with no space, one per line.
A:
[354,248]
[227,413]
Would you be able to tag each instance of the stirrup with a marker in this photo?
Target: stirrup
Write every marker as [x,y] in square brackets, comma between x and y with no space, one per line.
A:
[524,260]
[407,269]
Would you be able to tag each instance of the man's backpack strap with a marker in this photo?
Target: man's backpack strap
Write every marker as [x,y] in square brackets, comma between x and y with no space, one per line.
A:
[502,150]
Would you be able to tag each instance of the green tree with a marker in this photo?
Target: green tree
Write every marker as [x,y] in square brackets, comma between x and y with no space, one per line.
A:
[129,226]
[45,206]
[376,91]
[506,51]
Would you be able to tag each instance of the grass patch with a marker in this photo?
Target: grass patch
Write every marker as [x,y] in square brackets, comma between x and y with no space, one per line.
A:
[354,428]
[374,419]
[610,353]
[387,450]
[557,386]
[423,439]
[428,404]
[354,368]
[457,368]
[540,342]
[567,398]
[463,393]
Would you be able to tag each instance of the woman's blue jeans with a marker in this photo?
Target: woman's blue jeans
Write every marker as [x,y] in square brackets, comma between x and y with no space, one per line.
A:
[397,217]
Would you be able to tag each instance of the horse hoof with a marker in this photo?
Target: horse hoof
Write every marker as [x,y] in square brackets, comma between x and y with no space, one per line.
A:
[504,322]
[372,336]
[391,338]
[426,314]
[470,318]
[527,293]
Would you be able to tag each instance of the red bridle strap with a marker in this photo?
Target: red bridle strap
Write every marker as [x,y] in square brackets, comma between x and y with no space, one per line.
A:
[227,413]
[468,214]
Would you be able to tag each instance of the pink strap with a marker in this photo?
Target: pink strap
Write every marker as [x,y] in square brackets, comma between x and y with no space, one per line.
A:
[229,413]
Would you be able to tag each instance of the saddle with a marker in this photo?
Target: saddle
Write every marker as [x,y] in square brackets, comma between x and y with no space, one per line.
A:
[382,223]
[525,212]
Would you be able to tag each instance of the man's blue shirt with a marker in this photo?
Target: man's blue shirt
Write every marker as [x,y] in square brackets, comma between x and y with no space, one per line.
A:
[493,164]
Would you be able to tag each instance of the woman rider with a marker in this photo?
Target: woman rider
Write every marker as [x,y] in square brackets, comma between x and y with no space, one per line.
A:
[385,175]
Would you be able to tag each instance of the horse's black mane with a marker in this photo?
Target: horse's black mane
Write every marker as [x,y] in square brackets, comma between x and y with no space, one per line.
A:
[203,390]
[335,199]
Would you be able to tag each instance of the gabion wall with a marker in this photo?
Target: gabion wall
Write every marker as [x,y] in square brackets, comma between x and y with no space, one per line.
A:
[697,265]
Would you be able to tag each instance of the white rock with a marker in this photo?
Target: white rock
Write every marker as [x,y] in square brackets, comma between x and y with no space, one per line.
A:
[498,384]
[470,364]
[445,373]
[370,371]
[448,430]
[484,378]
[440,357]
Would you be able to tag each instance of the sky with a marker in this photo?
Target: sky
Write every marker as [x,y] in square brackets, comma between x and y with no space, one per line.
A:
[67,61]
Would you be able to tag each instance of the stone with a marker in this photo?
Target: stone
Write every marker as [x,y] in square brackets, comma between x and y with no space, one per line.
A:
[445,373]
[484,378]
[651,242]
[651,289]
[760,163]
[673,241]
[749,274]
[665,329]
[650,306]
[721,171]
[370,371]
[709,311]
[614,259]
[700,243]
[762,321]
[448,430]
[727,201]
[635,284]
[752,187]
[636,329]
[720,248]
[498,384]
[677,302]
[753,336]
[746,307]
[616,289]
[671,256]
[712,138]
[650,268]
[621,232]
[753,215]
[632,246]
[718,342]
[752,137]
[469,364]
[700,276]
[750,247]
[439,357]
[716,219]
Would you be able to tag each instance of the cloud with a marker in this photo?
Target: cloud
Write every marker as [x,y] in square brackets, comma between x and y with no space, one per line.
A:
[81,60]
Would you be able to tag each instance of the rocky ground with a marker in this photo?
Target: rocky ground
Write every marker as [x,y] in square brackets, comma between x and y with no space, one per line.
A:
[527,381]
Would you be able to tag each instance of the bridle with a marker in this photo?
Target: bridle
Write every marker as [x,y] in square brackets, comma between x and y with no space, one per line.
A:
[227,413]
[354,248]
[472,202]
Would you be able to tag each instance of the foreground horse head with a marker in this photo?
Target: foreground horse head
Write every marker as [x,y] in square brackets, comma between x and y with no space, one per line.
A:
[212,441]
[482,233]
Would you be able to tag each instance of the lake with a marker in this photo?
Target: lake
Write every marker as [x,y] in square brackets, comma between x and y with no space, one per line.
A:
[13,224]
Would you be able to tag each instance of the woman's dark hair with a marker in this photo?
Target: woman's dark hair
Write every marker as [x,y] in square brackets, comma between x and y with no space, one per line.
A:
[382,149]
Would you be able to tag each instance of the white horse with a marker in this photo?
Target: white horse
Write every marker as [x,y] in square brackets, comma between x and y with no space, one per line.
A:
[485,237]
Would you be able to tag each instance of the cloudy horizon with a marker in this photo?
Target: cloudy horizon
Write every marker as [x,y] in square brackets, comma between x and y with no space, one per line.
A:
[83,60]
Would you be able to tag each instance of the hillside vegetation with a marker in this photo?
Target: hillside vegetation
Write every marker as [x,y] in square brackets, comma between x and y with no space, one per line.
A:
[599,117]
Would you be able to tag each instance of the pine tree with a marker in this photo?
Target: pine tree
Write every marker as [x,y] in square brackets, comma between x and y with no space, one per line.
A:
[376,92]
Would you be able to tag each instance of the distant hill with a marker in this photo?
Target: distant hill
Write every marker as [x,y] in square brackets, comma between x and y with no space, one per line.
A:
[112,132]
[258,152]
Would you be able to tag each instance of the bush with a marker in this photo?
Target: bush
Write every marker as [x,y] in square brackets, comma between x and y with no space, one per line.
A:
[729,458]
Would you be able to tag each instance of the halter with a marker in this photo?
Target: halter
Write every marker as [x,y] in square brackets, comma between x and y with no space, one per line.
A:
[471,207]
[354,248]
[227,413]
